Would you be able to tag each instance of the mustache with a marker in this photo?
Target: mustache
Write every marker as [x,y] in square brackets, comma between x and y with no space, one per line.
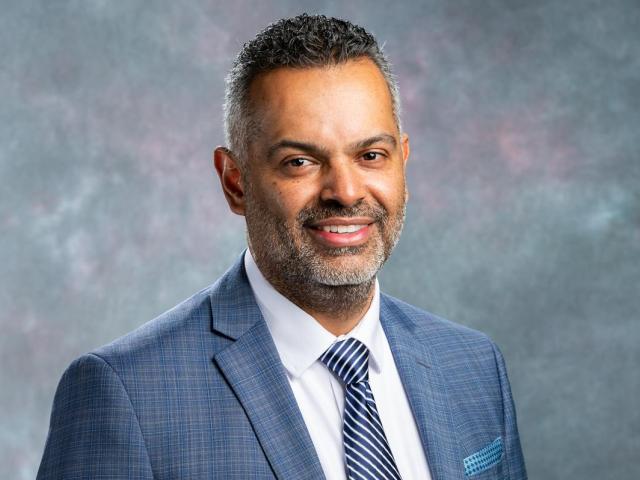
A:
[310,215]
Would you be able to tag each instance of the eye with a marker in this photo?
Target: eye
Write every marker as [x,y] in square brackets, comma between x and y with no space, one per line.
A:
[369,156]
[298,162]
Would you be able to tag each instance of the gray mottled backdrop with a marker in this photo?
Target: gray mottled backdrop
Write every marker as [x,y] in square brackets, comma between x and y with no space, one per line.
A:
[524,217]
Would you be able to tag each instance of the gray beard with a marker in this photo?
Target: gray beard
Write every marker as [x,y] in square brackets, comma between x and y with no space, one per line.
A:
[301,275]
[313,288]
[295,266]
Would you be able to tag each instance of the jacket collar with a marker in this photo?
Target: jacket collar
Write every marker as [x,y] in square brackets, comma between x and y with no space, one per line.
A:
[412,347]
[233,306]
[251,365]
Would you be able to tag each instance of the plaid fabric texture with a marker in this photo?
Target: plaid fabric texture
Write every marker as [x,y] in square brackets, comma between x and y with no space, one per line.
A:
[200,392]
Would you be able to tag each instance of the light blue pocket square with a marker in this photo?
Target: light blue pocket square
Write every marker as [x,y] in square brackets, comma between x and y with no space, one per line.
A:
[483,459]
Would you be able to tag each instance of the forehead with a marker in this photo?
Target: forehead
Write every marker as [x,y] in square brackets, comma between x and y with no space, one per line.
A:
[327,104]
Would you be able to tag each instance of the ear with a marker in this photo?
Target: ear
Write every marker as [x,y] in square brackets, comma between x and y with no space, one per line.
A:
[406,150]
[404,146]
[230,178]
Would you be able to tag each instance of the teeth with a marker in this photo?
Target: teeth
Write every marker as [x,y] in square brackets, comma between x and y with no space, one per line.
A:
[341,228]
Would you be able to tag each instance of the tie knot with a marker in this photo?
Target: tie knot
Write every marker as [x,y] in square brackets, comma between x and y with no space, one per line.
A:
[349,360]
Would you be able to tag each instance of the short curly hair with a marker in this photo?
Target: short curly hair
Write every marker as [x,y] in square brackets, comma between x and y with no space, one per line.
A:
[303,41]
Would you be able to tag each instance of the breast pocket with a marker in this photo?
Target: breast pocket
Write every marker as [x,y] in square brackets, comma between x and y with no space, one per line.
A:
[486,463]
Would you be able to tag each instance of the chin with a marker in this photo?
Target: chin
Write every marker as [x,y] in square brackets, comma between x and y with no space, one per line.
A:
[345,271]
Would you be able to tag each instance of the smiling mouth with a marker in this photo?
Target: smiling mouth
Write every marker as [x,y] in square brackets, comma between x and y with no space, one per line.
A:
[340,228]
[342,235]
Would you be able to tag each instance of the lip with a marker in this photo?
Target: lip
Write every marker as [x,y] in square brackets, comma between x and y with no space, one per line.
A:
[336,240]
[343,221]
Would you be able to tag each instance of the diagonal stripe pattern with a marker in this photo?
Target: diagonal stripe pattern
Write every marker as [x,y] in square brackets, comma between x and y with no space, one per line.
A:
[366,449]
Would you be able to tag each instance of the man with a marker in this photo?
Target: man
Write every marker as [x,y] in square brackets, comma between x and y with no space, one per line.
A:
[293,365]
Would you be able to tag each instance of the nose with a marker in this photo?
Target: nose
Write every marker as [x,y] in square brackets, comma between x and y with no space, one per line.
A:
[342,183]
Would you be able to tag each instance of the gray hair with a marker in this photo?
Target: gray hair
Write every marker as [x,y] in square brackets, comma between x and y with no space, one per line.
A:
[304,41]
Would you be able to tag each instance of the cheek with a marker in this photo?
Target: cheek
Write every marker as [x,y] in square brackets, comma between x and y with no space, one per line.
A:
[295,198]
[389,191]
[285,201]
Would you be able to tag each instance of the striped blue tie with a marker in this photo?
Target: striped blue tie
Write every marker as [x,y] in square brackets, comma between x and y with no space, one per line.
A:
[365,445]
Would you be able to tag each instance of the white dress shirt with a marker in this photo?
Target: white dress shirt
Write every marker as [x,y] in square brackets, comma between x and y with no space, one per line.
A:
[300,341]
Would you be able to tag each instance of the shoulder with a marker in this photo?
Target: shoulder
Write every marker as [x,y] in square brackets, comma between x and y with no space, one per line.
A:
[145,363]
[451,342]
[434,325]
[171,334]
[179,339]
[467,361]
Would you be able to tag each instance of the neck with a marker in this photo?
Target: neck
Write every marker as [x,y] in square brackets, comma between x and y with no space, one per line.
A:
[337,308]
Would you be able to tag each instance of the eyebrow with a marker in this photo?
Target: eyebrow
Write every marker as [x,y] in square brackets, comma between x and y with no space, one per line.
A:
[381,138]
[324,152]
[304,146]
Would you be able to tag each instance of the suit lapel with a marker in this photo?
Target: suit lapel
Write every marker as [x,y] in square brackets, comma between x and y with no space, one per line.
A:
[426,390]
[254,371]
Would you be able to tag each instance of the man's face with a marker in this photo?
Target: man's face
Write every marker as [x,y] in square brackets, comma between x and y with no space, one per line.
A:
[327,156]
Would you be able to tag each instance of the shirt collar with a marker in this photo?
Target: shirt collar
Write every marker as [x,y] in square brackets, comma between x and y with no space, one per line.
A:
[299,338]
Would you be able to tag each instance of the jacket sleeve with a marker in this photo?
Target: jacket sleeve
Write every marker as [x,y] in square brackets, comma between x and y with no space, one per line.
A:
[513,458]
[94,431]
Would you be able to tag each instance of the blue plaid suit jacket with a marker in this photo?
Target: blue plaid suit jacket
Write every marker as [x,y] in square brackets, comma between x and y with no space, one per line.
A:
[200,392]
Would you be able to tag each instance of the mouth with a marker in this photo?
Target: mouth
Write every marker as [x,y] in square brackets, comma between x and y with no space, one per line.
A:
[341,232]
